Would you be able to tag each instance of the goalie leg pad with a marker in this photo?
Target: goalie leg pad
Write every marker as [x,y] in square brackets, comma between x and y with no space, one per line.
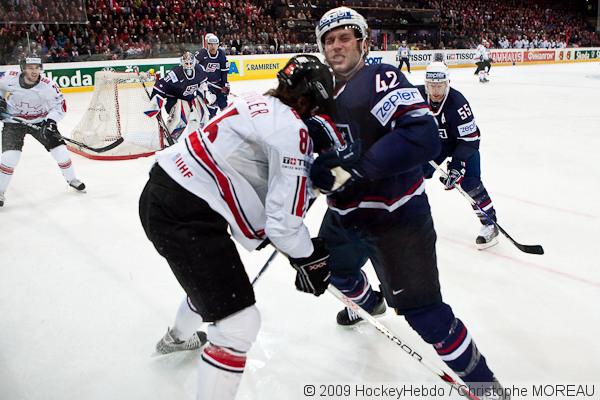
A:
[194,240]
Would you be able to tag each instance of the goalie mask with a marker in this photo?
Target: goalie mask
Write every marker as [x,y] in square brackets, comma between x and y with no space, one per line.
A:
[188,62]
[306,75]
[437,84]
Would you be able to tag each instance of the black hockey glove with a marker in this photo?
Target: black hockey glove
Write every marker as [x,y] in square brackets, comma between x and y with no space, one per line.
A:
[335,171]
[312,272]
[456,173]
[49,128]
[3,109]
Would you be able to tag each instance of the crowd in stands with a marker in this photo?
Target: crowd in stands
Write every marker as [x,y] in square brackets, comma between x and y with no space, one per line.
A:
[113,29]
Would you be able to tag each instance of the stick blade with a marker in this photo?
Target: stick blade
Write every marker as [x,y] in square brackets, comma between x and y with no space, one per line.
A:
[531,249]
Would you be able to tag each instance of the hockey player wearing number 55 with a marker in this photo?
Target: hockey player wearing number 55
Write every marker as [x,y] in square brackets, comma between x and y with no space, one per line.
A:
[381,212]
[214,61]
[29,96]
[247,170]
[460,142]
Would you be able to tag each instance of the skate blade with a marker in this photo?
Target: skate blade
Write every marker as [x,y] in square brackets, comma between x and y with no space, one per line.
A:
[489,244]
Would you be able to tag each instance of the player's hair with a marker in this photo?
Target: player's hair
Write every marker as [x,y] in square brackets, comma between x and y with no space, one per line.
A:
[305,76]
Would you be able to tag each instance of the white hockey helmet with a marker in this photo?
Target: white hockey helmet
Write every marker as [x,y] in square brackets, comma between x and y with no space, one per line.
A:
[211,38]
[437,73]
[338,17]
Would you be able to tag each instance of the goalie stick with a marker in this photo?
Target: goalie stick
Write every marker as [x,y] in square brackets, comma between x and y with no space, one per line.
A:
[161,123]
[8,118]
[525,248]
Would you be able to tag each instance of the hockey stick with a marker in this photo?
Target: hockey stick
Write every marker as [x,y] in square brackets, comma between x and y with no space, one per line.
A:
[161,123]
[404,345]
[530,249]
[267,242]
[75,142]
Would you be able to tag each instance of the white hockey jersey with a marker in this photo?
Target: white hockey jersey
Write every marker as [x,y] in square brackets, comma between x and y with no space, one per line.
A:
[482,53]
[250,164]
[43,101]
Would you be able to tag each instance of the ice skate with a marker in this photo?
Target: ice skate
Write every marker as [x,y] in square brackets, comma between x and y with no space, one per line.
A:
[170,344]
[77,185]
[347,317]
[2,198]
[487,237]
[494,392]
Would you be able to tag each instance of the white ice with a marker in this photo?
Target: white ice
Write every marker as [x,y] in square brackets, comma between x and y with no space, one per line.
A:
[84,296]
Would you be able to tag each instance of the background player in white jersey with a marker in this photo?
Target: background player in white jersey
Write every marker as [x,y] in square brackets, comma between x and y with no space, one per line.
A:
[483,64]
[29,96]
[403,56]
[248,170]
[459,135]
[182,92]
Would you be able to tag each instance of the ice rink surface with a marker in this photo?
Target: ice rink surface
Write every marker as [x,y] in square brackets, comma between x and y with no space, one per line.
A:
[84,296]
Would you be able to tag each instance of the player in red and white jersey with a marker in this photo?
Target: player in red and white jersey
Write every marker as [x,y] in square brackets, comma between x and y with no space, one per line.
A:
[28,95]
[247,171]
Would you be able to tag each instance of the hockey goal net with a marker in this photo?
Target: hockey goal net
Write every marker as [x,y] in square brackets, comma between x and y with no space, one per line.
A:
[116,110]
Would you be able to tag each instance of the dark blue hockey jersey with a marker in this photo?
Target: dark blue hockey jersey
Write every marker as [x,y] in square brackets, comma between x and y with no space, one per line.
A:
[398,134]
[457,128]
[217,67]
[176,84]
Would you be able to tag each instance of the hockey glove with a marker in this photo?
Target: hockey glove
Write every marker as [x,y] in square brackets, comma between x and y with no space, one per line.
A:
[334,171]
[3,109]
[210,98]
[324,134]
[226,89]
[456,173]
[49,129]
[312,272]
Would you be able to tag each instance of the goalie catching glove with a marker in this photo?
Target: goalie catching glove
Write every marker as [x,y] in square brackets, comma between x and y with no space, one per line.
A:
[455,175]
[312,272]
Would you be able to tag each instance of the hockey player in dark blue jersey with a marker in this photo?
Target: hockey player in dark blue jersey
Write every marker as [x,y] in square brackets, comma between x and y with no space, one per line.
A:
[381,212]
[182,90]
[459,135]
[214,61]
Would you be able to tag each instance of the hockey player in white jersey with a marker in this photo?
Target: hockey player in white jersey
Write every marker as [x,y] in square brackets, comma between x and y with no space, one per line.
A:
[30,97]
[484,63]
[247,170]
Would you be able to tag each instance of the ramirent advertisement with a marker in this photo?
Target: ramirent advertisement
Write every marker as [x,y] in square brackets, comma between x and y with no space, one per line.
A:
[80,76]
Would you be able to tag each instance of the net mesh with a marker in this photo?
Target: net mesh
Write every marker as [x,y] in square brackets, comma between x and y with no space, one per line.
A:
[117,110]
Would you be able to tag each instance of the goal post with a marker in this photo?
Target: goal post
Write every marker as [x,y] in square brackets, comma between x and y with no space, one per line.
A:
[115,111]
